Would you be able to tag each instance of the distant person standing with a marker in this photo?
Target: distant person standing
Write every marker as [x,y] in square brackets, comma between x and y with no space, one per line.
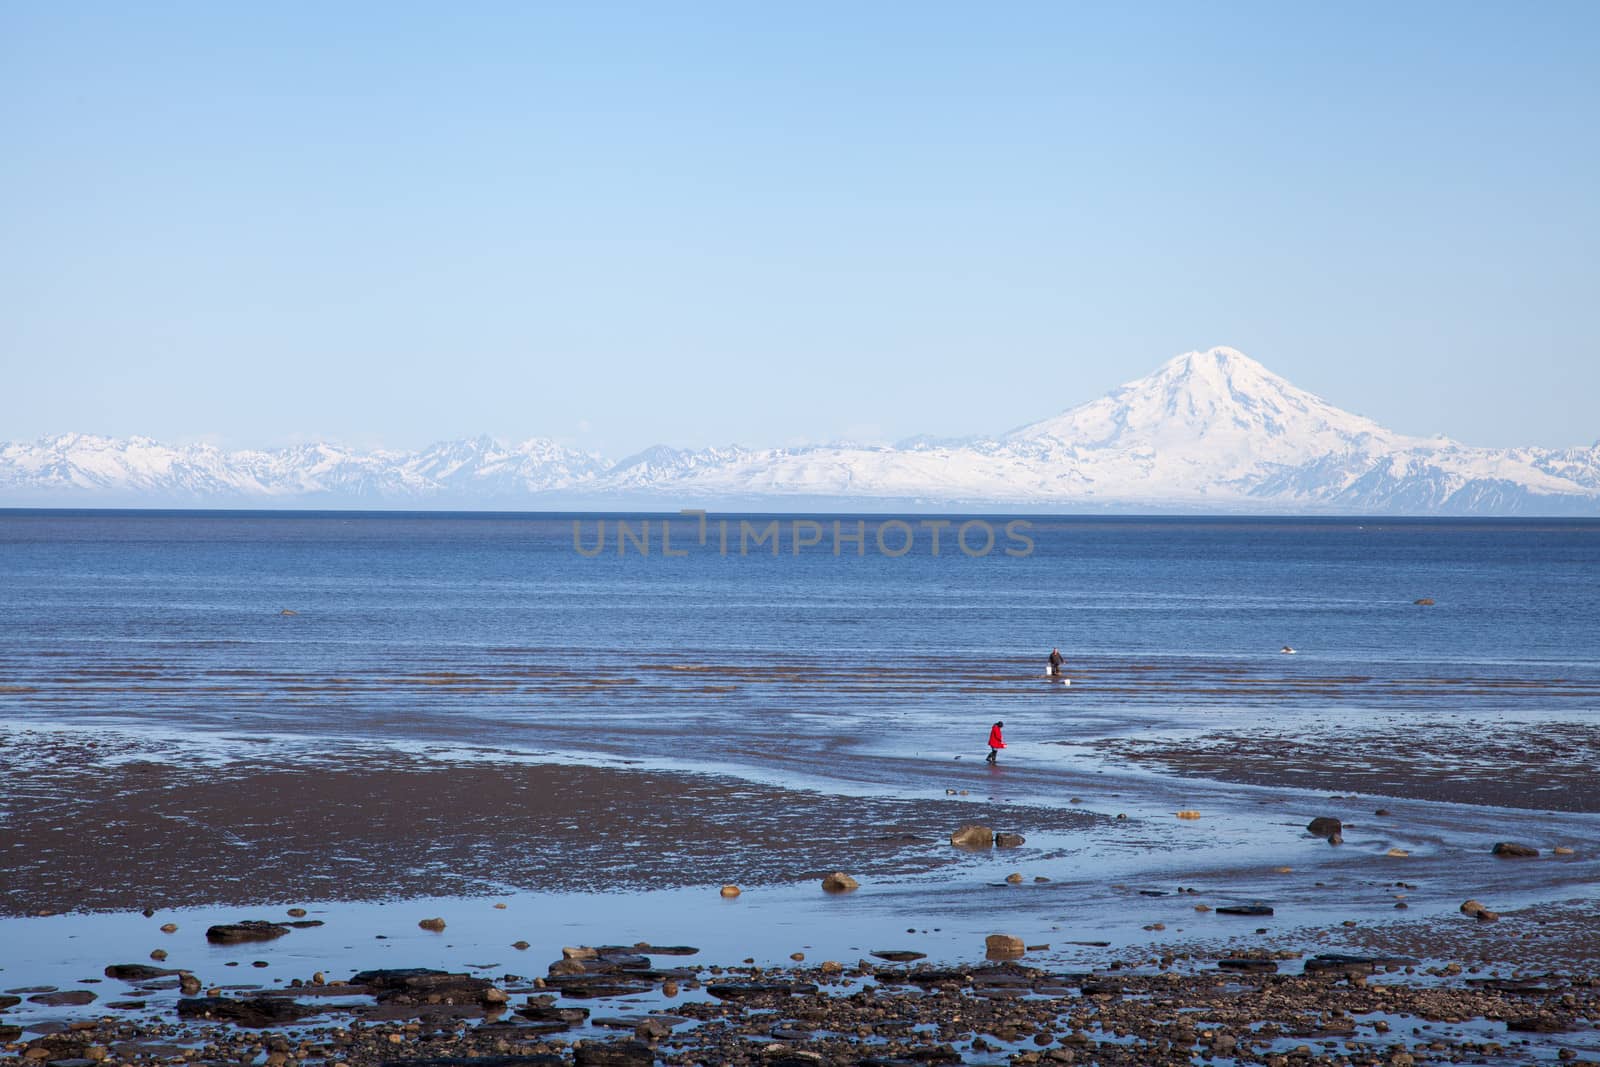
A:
[1055,662]
[996,742]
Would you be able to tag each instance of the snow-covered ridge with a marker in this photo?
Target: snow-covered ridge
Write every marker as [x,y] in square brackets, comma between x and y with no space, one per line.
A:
[1211,430]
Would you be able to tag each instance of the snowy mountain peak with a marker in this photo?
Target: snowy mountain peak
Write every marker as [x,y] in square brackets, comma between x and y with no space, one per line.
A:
[1212,430]
[1219,403]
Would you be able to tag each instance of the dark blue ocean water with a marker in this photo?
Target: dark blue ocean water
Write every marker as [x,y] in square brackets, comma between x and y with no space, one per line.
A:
[471,625]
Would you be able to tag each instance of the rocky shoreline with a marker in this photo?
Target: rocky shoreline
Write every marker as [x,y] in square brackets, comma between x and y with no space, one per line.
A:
[644,1004]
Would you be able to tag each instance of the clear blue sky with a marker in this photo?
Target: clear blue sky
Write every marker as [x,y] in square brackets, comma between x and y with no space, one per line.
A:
[697,223]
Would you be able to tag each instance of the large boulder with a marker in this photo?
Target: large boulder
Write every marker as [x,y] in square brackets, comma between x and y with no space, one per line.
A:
[248,930]
[1003,946]
[839,882]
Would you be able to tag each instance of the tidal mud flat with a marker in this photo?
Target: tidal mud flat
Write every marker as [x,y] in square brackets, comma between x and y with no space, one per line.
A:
[1131,951]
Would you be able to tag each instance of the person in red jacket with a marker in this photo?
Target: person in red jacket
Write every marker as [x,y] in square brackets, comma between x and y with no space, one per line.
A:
[996,742]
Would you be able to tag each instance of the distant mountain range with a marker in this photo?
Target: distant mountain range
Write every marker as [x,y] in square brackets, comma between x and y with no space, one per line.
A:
[1207,431]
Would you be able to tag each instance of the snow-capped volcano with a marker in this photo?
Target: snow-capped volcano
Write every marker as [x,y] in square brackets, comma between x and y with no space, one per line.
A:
[1211,430]
[1204,423]
[1215,402]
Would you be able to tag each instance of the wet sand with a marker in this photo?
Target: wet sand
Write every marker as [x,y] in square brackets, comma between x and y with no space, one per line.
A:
[1546,766]
[82,833]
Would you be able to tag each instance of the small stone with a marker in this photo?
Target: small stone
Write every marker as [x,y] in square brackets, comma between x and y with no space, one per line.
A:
[520,946]
[730,890]
[839,882]
[832,967]
[1015,877]
[500,907]
[1512,849]
[1009,840]
[1326,826]
[797,956]
[1187,813]
[297,913]
[436,925]
[1397,853]
[972,835]
[169,928]
[158,954]
[1562,850]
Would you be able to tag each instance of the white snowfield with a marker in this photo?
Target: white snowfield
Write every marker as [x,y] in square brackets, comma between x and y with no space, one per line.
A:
[1210,430]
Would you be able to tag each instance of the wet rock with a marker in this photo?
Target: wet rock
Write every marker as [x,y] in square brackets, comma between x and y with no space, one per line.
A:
[1424,601]
[159,954]
[1326,826]
[899,955]
[255,1013]
[9,1001]
[1342,963]
[651,1030]
[297,913]
[1512,849]
[434,924]
[1003,947]
[973,836]
[423,986]
[613,1054]
[1014,878]
[755,990]
[137,972]
[730,890]
[1244,909]
[579,952]
[591,987]
[248,930]
[188,984]
[540,1059]
[1009,840]
[1249,965]
[520,946]
[552,1017]
[839,882]
[10,1033]
[65,998]
[169,928]
[1543,1023]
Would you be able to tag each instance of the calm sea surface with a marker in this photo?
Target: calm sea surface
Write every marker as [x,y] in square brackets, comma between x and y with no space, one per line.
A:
[471,626]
